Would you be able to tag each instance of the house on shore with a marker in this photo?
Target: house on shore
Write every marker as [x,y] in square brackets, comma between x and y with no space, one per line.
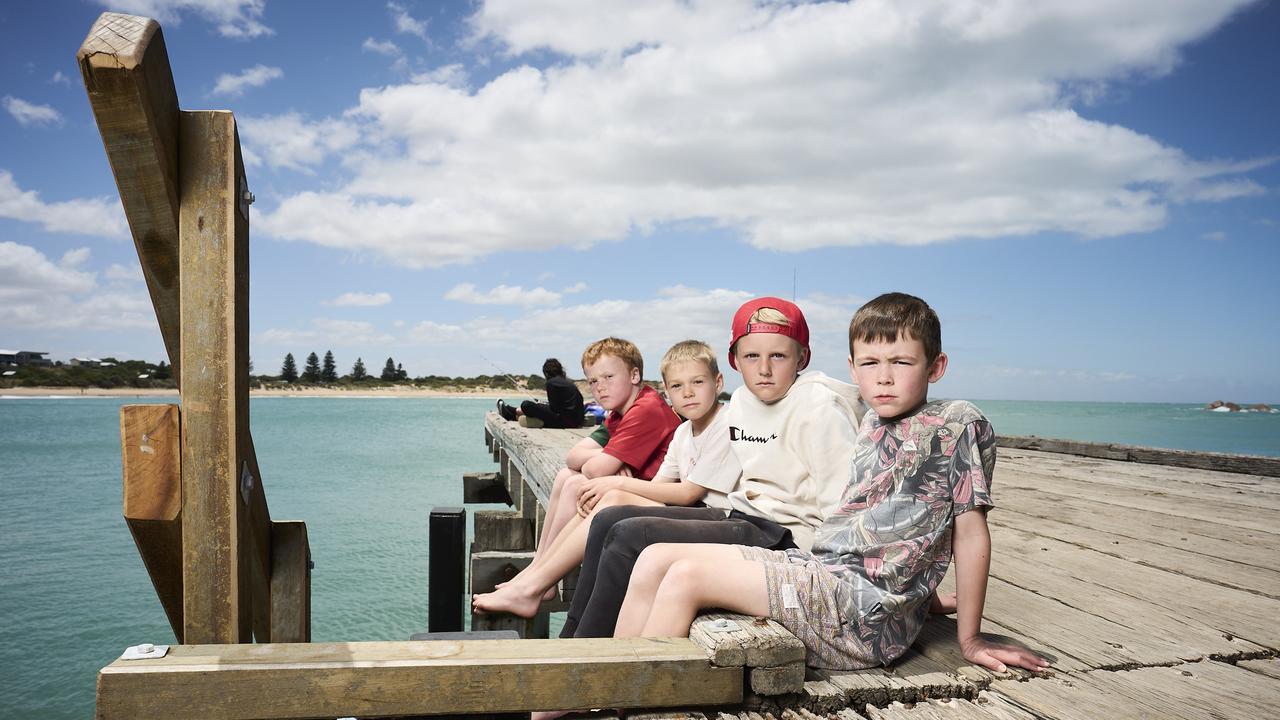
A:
[24,358]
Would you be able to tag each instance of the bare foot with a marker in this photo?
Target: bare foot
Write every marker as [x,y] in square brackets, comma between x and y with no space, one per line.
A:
[509,598]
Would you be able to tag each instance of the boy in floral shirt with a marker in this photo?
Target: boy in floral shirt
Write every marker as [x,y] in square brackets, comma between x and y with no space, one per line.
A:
[918,496]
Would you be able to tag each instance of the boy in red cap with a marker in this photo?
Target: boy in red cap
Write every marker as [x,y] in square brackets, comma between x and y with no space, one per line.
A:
[792,435]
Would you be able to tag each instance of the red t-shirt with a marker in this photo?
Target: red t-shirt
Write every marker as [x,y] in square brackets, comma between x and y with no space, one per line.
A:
[639,437]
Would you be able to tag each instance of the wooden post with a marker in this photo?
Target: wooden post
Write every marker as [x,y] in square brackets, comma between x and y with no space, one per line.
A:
[149,444]
[126,72]
[446,568]
[290,582]
[217,480]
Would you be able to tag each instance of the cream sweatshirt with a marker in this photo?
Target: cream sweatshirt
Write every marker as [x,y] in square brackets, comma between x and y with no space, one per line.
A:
[796,452]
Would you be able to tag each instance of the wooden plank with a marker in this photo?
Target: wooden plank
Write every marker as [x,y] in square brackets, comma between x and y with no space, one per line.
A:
[290,601]
[777,680]
[501,530]
[150,440]
[1197,485]
[224,682]
[126,73]
[214,237]
[492,567]
[1238,514]
[487,487]
[1218,570]
[754,642]
[1155,529]
[1242,615]
[1222,462]
[987,706]
[1199,690]
[1270,668]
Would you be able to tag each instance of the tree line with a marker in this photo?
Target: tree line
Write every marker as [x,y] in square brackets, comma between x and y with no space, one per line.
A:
[317,372]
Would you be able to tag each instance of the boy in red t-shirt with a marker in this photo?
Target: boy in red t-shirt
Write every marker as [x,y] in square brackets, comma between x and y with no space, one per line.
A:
[640,425]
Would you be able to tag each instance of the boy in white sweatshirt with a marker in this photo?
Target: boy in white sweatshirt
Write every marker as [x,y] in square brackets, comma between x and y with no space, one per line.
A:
[791,433]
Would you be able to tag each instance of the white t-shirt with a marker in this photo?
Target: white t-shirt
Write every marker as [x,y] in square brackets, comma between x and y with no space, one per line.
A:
[795,453]
[704,460]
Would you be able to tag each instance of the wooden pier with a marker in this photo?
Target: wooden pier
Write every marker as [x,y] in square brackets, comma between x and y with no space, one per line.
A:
[1155,591]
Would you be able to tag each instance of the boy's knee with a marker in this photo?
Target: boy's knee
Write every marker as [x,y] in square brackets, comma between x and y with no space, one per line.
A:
[573,483]
[612,498]
[626,536]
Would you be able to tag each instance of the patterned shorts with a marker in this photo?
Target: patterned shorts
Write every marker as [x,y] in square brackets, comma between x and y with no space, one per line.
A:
[803,599]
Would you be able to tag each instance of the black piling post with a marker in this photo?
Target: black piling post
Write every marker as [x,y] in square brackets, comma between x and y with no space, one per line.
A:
[446,568]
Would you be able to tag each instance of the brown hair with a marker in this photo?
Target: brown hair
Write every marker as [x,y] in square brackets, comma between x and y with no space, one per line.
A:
[891,314]
[690,351]
[625,350]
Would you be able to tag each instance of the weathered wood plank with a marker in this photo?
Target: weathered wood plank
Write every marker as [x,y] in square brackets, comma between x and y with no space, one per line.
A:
[126,73]
[1198,690]
[1243,615]
[290,600]
[488,488]
[1270,668]
[492,567]
[987,706]
[501,530]
[756,642]
[150,440]
[1247,464]
[413,678]
[214,257]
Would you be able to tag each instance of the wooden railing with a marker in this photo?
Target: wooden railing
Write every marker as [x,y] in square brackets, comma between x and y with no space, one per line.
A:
[193,491]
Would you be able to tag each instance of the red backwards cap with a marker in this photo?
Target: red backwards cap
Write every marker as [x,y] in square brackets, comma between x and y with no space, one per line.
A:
[798,330]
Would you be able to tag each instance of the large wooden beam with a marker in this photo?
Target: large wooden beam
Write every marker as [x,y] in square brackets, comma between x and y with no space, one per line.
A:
[126,72]
[290,583]
[383,679]
[150,441]
[217,479]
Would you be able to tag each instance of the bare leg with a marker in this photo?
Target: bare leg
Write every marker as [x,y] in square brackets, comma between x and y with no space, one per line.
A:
[560,511]
[672,582]
[553,503]
[524,593]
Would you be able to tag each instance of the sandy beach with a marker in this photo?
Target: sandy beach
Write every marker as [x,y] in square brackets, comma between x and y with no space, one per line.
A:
[397,391]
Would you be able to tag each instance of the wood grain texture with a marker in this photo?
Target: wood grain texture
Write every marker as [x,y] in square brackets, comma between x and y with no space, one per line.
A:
[1222,462]
[150,439]
[412,678]
[290,597]
[214,341]
[126,73]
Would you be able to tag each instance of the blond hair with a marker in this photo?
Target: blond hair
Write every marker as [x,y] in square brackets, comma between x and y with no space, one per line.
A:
[624,350]
[769,315]
[690,351]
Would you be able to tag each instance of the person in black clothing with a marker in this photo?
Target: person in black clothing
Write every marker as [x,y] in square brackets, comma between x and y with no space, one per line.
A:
[563,408]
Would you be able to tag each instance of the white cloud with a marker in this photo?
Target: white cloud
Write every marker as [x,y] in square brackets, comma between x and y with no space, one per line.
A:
[502,295]
[60,78]
[38,293]
[1216,236]
[87,216]
[290,141]
[326,332]
[797,126]
[29,114]
[239,19]
[355,299]
[382,47]
[406,23]
[124,273]
[574,288]
[256,76]
[653,324]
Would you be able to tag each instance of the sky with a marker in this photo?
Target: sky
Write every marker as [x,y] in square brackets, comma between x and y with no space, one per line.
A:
[1085,191]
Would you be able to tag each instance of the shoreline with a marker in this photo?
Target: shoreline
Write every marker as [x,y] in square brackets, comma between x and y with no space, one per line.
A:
[399,391]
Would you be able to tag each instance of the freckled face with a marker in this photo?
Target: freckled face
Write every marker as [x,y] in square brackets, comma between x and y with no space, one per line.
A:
[769,363]
[893,377]
[611,382]
[692,389]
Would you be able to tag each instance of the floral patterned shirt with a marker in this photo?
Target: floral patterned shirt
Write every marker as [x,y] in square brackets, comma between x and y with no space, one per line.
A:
[889,542]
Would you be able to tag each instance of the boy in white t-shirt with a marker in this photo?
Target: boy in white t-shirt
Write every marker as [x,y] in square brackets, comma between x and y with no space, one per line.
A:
[698,465]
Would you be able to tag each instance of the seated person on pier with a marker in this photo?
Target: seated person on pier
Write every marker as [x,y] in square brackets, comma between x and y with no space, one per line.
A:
[698,466]
[791,434]
[563,408]
[639,426]
[920,485]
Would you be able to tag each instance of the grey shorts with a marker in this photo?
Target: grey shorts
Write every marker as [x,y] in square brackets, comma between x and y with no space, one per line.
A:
[803,598]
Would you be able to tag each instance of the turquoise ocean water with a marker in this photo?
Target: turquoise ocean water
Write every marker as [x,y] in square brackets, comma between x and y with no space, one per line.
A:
[364,475]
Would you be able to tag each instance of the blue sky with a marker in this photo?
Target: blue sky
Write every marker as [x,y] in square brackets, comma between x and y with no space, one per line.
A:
[1087,194]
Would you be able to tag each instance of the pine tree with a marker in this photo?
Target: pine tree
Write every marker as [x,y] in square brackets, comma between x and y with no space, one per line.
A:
[289,371]
[357,370]
[389,370]
[400,373]
[162,371]
[312,372]
[329,373]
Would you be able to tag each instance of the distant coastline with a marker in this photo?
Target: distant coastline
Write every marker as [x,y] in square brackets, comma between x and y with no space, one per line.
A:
[391,391]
